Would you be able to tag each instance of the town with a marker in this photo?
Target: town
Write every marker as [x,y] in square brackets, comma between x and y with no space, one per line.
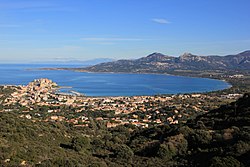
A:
[41,100]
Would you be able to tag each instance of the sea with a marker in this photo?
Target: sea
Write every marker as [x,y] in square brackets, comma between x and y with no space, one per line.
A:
[107,84]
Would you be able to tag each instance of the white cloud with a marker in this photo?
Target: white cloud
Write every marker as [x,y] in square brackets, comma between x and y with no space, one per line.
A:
[111,39]
[160,21]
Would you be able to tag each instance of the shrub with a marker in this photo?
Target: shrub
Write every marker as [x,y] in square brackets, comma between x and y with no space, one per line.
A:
[225,162]
[175,145]
[124,152]
[80,143]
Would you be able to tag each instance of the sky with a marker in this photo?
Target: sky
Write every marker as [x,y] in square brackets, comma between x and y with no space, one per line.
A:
[48,30]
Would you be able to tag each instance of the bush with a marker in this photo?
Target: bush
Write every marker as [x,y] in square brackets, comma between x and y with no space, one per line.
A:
[225,162]
[122,151]
[201,138]
[175,145]
[98,164]
[167,151]
[58,162]
[80,143]
[241,148]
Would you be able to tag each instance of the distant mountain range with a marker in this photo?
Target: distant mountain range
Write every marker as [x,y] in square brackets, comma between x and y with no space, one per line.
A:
[159,63]
[79,62]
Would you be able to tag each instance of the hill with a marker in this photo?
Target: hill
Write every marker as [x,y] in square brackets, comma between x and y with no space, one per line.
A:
[159,63]
[220,137]
[90,62]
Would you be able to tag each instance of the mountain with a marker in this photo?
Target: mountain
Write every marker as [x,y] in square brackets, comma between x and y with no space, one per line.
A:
[78,62]
[97,61]
[159,63]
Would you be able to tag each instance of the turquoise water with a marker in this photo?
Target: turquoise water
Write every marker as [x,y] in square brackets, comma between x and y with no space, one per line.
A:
[108,84]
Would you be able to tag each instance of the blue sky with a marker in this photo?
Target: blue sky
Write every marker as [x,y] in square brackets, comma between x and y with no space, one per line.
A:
[41,30]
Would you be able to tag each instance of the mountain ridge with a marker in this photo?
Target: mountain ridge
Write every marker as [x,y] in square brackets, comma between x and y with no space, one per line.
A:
[89,62]
[160,63]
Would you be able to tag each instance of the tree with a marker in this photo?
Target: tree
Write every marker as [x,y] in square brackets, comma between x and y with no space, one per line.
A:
[167,151]
[225,162]
[122,151]
[175,145]
[81,143]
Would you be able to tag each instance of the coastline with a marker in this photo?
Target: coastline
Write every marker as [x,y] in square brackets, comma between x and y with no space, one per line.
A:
[229,84]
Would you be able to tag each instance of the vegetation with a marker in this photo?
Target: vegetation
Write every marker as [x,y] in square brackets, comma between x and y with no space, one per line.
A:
[220,137]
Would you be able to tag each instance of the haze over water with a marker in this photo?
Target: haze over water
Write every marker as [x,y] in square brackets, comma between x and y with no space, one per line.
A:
[107,84]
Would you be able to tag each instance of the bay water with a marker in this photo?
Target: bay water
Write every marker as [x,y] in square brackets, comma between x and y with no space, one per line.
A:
[107,84]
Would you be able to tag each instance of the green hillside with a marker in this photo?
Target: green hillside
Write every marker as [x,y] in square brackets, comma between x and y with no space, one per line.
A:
[218,138]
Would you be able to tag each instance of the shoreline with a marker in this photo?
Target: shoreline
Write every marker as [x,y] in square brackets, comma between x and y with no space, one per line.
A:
[229,84]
